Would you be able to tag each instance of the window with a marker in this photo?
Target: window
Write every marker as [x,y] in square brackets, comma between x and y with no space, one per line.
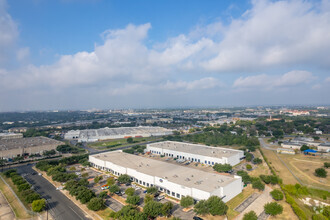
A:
[173,193]
[209,162]
[140,181]
[212,163]
[199,160]
[168,192]
[205,161]
[178,195]
[144,183]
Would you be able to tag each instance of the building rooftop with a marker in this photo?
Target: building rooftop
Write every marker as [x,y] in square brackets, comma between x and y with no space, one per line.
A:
[8,144]
[184,176]
[128,131]
[9,134]
[197,149]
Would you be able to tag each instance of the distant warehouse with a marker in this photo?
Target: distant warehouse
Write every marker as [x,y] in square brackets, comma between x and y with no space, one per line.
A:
[6,136]
[196,152]
[172,179]
[91,135]
[10,148]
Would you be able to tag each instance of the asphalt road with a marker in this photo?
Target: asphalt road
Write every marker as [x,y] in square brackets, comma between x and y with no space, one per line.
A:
[59,206]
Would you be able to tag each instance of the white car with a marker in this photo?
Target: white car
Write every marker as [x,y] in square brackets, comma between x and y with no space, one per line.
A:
[40,174]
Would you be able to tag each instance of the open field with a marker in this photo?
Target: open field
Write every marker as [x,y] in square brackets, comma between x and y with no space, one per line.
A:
[13,202]
[279,167]
[304,166]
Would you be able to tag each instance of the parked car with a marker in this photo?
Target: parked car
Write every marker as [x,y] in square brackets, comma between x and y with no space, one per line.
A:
[104,187]
[160,198]
[40,174]
[197,218]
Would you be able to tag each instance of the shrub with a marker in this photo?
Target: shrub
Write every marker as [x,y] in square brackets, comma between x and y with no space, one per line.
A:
[7,173]
[38,205]
[257,161]
[84,175]
[304,147]
[319,217]
[327,164]
[248,156]
[111,181]
[23,186]
[31,197]
[250,216]
[96,204]
[273,208]
[276,194]
[103,194]
[166,208]
[133,200]
[248,167]
[321,172]
[186,201]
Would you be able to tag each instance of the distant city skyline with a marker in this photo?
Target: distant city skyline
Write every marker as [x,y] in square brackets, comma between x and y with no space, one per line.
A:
[70,54]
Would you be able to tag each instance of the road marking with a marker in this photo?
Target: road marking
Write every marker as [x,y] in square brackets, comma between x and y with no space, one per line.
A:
[75,212]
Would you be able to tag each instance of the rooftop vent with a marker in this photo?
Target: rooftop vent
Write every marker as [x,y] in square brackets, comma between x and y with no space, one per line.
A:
[175,176]
[187,179]
[198,182]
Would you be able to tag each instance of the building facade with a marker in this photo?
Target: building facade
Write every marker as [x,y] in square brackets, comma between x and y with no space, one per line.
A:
[174,180]
[11,148]
[196,152]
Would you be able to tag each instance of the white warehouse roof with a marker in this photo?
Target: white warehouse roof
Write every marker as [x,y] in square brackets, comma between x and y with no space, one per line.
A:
[197,149]
[185,176]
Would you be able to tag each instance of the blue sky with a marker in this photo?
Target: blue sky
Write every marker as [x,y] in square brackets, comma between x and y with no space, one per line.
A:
[71,54]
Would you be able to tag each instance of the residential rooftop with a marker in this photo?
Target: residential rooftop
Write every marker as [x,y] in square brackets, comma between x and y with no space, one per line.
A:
[197,149]
[181,175]
[8,144]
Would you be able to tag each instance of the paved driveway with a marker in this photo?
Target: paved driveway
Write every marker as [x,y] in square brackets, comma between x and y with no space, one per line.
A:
[5,211]
[258,204]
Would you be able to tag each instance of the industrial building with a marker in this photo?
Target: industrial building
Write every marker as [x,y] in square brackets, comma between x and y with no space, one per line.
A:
[92,135]
[174,180]
[5,136]
[196,152]
[10,148]
[292,145]
[285,151]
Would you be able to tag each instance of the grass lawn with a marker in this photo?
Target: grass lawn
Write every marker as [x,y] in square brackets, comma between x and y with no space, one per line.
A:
[104,214]
[14,203]
[237,200]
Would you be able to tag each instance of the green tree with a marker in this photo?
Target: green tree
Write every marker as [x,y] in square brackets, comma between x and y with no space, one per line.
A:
[248,156]
[152,190]
[277,194]
[103,194]
[201,208]
[111,181]
[186,201]
[222,167]
[38,205]
[23,186]
[304,147]
[321,172]
[273,208]
[114,189]
[148,197]
[97,179]
[216,206]
[133,200]
[85,195]
[130,140]
[152,209]
[83,182]
[257,184]
[96,204]
[250,216]
[124,178]
[130,191]
[166,209]
[326,164]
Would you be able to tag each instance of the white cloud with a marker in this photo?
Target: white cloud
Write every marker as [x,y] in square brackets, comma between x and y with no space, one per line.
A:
[200,84]
[23,54]
[275,33]
[264,81]
[8,32]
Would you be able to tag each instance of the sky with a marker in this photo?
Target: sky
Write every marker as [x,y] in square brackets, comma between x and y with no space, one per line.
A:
[104,54]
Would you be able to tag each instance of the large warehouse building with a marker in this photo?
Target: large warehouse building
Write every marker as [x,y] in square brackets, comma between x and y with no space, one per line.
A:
[5,136]
[172,179]
[10,148]
[91,135]
[196,152]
